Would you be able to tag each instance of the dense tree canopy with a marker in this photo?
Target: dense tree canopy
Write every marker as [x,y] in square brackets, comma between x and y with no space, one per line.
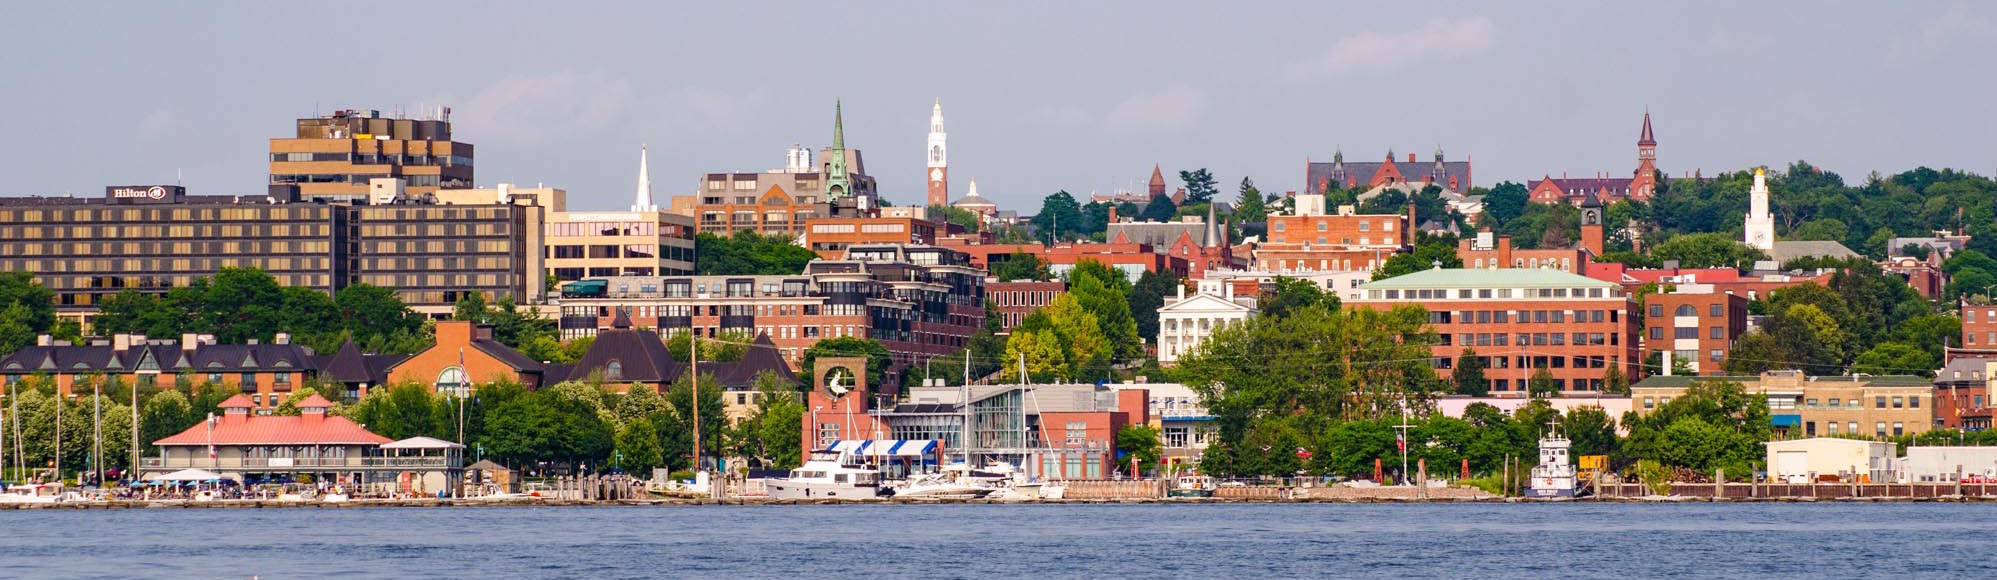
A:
[246,303]
[1199,185]
[749,253]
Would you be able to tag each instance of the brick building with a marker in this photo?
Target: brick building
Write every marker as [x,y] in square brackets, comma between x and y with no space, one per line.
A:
[1806,406]
[264,373]
[1962,394]
[918,301]
[781,201]
[1202,243]
[1697,323]
[1519,321]
[1133,259]
[1640,186]
[464,356]
[1310,239]
[1015,299]
[831,236]
[156,238]
[1319,177]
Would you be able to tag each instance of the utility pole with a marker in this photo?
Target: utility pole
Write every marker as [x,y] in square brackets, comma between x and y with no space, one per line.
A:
[58,435]
[693,348]
[97,430]
[133,467]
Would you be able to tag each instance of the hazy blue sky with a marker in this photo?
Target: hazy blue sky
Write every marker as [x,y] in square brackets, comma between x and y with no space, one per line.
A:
[1039,96]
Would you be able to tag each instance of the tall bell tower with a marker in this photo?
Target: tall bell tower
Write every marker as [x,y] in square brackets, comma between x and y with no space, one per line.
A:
[939,158]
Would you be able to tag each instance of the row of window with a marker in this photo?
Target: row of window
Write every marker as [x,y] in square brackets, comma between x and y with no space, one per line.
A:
[1688,332]
[1529,339]
[1490,293]
[1685,310]
[1522,316]
[1831,428]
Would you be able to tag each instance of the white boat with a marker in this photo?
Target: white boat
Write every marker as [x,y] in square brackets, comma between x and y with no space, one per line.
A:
[33,493]
[937,486]
[829,475]
[1554,476]
[1192,485]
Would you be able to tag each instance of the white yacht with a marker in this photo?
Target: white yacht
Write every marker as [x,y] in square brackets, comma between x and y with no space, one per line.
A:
[941,486]
[34,493]
[1554,476]
[829,475]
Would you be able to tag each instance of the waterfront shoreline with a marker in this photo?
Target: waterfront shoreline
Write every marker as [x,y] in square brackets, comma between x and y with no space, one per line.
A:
[684,502]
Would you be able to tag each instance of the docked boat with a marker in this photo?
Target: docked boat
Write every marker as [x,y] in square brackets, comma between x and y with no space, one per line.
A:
[1554,476]
[33,493]
[941,486]
[829,475]
[1191,485]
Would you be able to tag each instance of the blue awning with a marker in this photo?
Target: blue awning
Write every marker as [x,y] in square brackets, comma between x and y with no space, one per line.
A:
[886,447]
[1785,420]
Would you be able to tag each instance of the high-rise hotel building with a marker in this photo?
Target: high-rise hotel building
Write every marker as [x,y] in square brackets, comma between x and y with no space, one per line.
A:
[155,238]
[334,157]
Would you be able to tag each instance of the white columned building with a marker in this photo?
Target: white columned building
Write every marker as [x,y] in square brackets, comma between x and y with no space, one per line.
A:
[1186,321]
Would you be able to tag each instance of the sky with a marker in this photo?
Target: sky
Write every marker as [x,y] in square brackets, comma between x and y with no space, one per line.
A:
[1038,96]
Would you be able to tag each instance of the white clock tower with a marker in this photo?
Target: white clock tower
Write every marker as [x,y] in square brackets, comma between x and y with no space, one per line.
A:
[939,156]
[1760,227]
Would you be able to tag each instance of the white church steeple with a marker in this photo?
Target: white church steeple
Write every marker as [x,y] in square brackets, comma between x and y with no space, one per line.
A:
[939,158]
[1759,229]
[644,198]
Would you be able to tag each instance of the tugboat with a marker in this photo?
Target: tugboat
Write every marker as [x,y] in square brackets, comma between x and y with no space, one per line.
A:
[1191,485]
[1554,476]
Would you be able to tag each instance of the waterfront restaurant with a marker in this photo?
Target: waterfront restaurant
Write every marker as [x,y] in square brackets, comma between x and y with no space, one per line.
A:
[252,448]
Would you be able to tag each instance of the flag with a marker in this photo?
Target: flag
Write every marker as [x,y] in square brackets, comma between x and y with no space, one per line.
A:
[1303,453]
[1400,443]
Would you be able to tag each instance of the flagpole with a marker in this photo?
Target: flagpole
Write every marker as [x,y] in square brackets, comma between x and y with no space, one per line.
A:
[693,349]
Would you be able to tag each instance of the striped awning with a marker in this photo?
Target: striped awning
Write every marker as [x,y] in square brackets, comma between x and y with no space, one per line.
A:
[886,447]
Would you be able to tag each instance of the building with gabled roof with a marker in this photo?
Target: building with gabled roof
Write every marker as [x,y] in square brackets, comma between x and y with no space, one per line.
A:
[465,355]
[243,446]
[265,373]
[1320,177]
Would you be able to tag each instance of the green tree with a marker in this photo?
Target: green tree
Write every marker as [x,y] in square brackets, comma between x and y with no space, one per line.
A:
[1707,251]
[1105,291]
[639,402]
[1614,382]
[1469,375]
[162,415]
[1249,207]
[728,346]
[1021,266]
[1059,218]
[1147,296]
[749,253]
[1894,358]
[967,219]
[1591,431]
[1425,256]
[638,448]
[1045,358]
[1158,209]
[1288,295]
[677,434]
[1503,203]
[14,330]
[1140,442]
[1199,185]
[1541,384]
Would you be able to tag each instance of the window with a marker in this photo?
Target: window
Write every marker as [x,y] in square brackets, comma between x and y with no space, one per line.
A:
[1899,402]
[1717,332]
[1175,436]
[613,371]
[1078,433]
[1685,332]
[1879,428]
[1831,428]
[1657,311]
[1717,310]
[1914,402]
[1649,402]
[1879,402]
[452,381]
[1715,355]
[1898,429]
[1685,310]
[828,433]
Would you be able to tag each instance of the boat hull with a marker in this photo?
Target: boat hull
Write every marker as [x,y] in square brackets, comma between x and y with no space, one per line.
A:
[786,489]
[1189,493]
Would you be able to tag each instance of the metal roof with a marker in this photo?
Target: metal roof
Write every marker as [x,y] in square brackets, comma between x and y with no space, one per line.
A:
[1483,278]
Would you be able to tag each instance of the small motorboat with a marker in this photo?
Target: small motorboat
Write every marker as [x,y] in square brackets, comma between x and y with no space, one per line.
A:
[1191,485]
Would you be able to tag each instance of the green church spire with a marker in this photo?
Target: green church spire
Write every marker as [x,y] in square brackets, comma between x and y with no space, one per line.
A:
[837,184]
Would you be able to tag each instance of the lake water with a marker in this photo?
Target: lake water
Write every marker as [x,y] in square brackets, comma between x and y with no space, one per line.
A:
[1475,541]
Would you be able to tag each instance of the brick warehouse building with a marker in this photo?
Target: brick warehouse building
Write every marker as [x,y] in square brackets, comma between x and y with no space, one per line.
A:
[1310,239]
[155,238]
[1520,320]
[918,301]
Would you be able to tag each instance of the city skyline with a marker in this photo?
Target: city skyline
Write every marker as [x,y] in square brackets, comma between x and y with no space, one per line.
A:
[565,98]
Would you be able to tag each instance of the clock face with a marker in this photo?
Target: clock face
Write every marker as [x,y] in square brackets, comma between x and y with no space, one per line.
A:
[1758,236]
[936,174]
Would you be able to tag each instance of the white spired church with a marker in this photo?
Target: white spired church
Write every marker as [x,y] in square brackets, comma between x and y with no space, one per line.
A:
[1759,232]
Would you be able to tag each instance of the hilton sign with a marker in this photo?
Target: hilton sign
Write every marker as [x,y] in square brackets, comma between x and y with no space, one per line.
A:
[144,193]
